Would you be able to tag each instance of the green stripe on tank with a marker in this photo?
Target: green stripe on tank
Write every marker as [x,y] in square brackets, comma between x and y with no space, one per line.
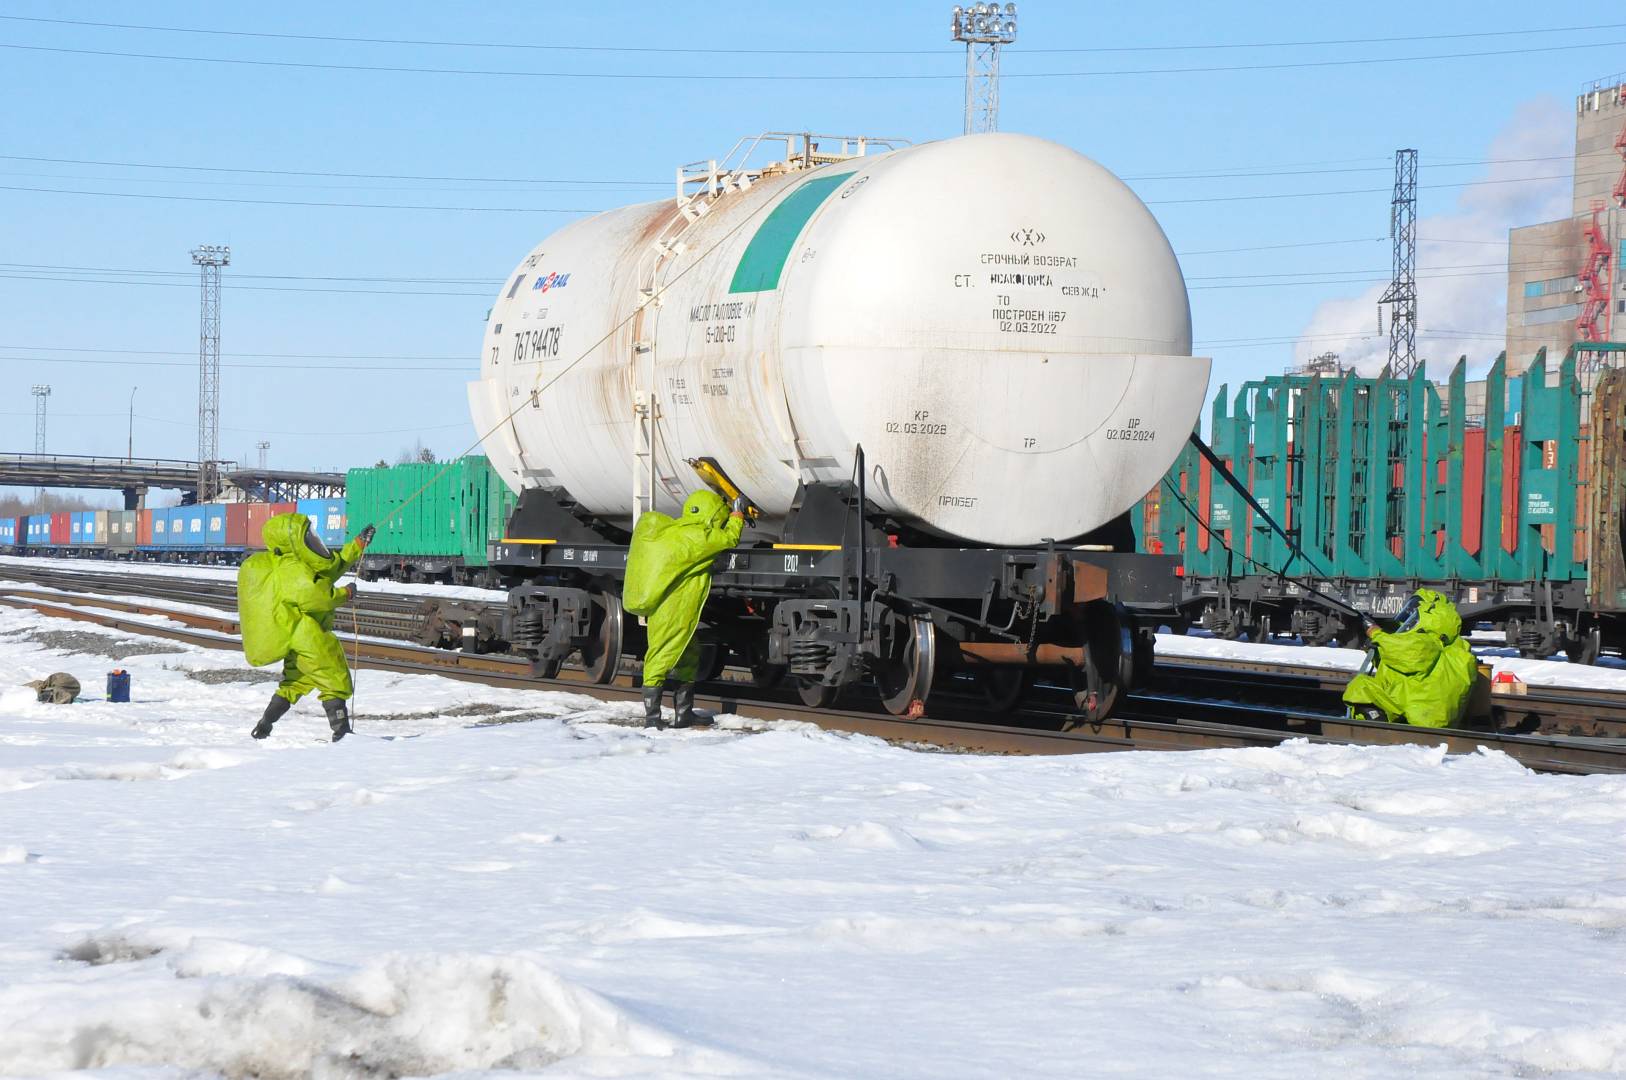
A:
[765,255]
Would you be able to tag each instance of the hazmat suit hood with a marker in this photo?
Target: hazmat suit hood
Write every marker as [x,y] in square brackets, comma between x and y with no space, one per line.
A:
[1437,615]
[285,535]
[705,506]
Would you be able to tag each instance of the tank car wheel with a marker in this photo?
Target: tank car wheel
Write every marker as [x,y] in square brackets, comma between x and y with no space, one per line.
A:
[602,654]
[906,681]
[1099,683]
[815,695]
[1003,688]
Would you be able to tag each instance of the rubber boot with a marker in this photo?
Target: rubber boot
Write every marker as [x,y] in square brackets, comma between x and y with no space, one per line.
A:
[683,703]
[273,712]
[652,708]
[338,717]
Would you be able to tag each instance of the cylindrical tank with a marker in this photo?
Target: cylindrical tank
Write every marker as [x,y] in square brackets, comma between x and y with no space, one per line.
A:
[997,320]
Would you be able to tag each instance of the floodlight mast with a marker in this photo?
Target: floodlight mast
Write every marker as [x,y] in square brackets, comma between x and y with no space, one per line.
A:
[209,259]
[984,28]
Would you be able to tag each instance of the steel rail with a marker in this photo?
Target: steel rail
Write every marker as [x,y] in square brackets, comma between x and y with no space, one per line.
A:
[1138,728]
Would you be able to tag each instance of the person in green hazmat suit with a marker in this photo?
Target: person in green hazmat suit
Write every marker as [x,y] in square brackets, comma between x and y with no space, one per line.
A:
[285,603]
[668,580]
[1423,675]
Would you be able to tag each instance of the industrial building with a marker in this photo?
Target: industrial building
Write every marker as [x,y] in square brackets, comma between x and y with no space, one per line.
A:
[1563,284]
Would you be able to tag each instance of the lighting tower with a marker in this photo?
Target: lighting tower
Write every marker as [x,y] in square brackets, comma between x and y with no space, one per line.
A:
[983,28]
[1402,292]
[209,260]
[262,446]
[41,393]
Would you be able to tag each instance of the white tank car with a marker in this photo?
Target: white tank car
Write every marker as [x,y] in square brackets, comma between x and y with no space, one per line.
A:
[997,320]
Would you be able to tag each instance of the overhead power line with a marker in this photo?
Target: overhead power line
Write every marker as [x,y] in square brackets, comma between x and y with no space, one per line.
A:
[263,277]
[297,202]
[594,210]
[183,352]
[659,76]
[715,51]
[1285,169]
[336,175]
[6,275]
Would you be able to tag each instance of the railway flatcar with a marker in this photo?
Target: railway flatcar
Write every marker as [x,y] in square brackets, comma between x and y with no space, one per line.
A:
[943,374]
[1505,495]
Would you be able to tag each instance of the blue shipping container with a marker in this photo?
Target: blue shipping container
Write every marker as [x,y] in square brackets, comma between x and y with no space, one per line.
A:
[186,526]
[8,532]
[160,526]
[327,519]
[39,529]
[82,528]
[214,526]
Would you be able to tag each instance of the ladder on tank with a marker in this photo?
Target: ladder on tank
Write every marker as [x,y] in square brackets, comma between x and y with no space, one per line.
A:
[700,185]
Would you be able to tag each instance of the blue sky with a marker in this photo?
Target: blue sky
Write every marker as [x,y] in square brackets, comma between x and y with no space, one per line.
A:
[359,326]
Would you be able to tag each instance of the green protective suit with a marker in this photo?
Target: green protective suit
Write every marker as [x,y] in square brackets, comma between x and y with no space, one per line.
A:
[285,603]
[669,578]
[1424,675]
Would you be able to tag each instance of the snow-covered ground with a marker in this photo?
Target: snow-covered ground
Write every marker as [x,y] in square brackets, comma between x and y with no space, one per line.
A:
[522,881]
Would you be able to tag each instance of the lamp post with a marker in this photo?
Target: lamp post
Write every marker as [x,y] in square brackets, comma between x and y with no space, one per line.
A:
[983,28]
[129,446]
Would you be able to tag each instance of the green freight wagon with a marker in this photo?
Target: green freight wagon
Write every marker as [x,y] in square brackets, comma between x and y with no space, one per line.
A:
[435,520]
[1510,499]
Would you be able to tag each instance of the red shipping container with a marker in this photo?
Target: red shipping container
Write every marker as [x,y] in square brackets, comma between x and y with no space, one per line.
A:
[61,528]
[237,524]
[143,528]
[258,515]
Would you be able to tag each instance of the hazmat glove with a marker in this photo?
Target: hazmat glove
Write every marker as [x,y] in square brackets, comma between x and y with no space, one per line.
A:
[738,506]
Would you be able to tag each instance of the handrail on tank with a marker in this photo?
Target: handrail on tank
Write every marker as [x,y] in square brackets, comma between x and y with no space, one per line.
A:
[803,150]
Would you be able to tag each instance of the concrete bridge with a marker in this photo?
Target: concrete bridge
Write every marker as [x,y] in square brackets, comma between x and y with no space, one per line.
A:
[135,476]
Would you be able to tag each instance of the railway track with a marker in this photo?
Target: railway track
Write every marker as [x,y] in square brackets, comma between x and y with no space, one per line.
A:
[1150,721]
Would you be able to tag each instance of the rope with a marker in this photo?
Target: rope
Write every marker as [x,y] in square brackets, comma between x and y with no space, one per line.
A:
[538,386]
[355,655]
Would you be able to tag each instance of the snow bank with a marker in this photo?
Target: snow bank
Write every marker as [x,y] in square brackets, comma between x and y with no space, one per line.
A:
[243,1011]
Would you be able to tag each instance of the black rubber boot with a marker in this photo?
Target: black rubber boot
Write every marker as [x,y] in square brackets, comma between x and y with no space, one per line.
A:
[652,707]
[683,703]
[338,717]
[273,712]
